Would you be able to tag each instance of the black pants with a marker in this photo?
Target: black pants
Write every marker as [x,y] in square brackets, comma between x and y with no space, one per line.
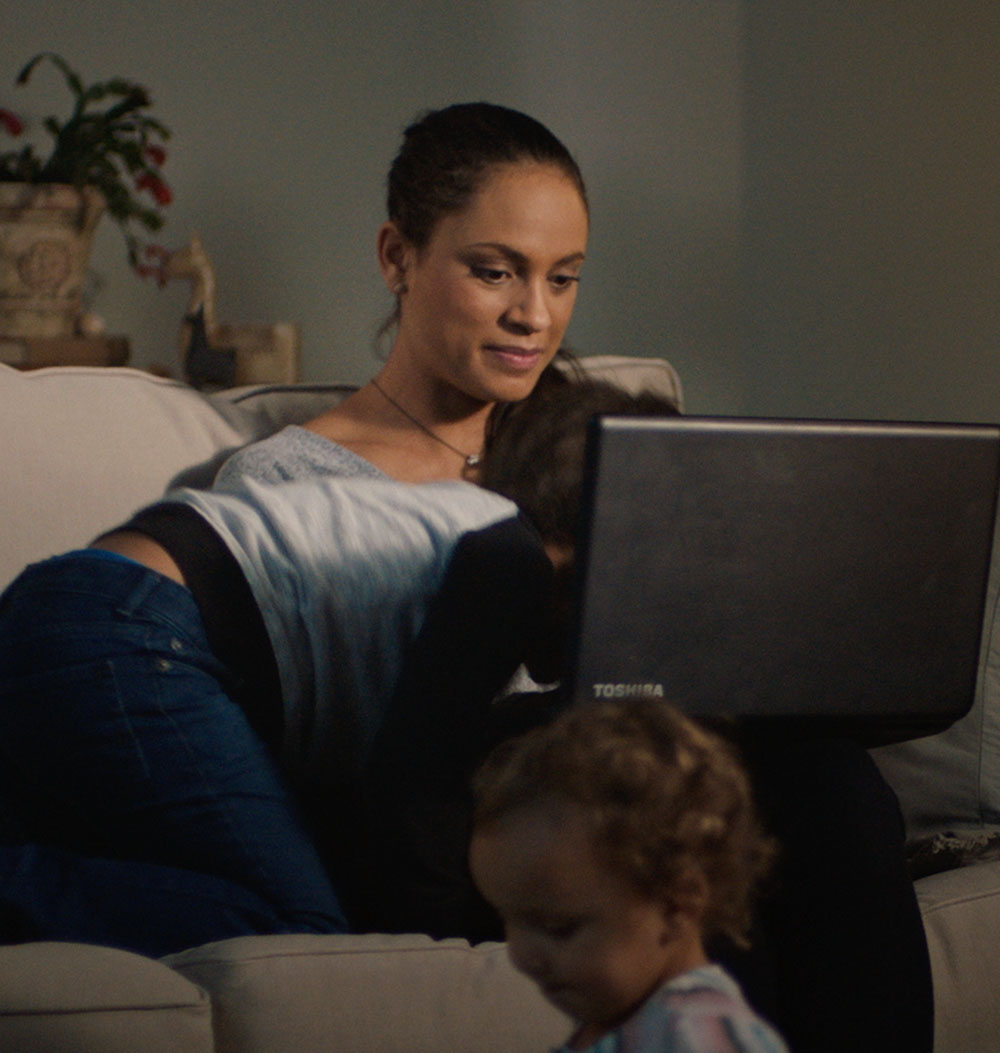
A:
[840,959]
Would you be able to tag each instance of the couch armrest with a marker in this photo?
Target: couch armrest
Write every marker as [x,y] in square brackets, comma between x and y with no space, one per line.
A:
[85,447]
[960,910]
[75,998]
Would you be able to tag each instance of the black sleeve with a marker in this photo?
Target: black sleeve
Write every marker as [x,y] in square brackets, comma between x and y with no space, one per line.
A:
[488,615]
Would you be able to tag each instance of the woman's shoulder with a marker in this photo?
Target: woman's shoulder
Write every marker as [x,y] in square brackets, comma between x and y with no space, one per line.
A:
[292,454]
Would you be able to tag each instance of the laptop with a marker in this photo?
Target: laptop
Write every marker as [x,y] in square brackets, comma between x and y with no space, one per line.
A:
[774,568]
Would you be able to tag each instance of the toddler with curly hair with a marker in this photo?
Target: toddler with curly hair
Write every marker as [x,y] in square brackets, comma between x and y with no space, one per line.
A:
[614,842]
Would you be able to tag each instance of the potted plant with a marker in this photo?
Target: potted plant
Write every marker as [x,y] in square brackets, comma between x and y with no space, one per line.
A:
[106,156]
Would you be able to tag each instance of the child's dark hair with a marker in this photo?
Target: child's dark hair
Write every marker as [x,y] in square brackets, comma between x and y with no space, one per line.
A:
[662,798]
[535,450]
[447,153]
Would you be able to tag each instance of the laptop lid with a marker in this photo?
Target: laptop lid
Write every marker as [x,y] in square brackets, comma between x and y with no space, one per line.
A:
[786,568]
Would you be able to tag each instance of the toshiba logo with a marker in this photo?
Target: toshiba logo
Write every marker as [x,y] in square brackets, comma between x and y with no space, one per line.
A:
[628,691]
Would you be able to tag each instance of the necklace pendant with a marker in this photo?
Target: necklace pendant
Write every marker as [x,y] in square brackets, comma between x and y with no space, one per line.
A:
[471,459]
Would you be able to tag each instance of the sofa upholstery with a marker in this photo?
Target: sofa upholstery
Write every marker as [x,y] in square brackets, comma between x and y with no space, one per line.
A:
[80,450]
[74,998]
[393,994]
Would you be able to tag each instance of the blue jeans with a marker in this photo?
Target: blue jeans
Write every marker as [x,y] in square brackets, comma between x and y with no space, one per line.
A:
[137,806]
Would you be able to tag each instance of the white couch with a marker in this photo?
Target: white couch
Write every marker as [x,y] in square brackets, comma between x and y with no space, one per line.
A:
[80,449]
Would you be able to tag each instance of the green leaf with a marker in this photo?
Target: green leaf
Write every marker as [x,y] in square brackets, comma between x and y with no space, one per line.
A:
[72,78]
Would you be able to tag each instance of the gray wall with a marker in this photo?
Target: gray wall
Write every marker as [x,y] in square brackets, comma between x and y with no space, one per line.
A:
[797,203]
[872,208]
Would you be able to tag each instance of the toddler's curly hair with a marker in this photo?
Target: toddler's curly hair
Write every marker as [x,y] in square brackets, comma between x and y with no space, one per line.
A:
[663,797]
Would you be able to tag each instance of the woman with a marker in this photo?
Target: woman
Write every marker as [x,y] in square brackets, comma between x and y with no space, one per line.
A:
[306,612]
[483,248]
[140,803]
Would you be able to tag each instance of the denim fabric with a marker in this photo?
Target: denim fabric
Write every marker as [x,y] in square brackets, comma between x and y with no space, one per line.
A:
[137,806]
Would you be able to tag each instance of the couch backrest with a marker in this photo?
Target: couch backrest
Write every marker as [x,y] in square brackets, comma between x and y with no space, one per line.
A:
[82,448]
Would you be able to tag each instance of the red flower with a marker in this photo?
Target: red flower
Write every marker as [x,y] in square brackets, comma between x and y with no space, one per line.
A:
[163,194]
[146,271]
[158,267]
[11,122]
[157,155]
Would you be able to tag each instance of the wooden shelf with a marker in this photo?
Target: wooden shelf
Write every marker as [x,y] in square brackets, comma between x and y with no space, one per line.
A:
[34,352]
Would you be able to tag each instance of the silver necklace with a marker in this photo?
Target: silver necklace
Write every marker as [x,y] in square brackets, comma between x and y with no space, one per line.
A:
[471,459]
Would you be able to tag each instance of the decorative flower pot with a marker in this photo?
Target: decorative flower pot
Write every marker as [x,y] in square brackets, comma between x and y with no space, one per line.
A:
[46,233]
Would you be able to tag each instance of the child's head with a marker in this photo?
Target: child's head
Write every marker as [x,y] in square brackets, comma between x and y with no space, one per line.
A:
[535,457]
[535,453]
[612,842]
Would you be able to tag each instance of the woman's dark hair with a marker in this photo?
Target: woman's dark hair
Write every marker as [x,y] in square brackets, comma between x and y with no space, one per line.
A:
[446,155]
[535,450]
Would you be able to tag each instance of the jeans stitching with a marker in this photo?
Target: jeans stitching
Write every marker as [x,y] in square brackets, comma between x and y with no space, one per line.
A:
[127,719]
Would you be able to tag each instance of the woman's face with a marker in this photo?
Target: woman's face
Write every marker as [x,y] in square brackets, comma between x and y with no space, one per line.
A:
[486,302]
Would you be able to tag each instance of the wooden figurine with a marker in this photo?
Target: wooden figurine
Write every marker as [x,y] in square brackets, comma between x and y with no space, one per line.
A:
[218,354]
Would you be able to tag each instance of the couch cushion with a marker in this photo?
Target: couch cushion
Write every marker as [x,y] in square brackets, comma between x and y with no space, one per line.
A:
[271,406]
[950,782]
[74,998]
[390,994]
[961,910]
[637,374]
